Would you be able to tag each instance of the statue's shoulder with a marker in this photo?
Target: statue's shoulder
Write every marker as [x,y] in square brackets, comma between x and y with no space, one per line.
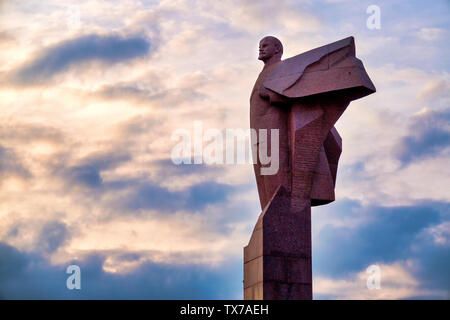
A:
[324,62]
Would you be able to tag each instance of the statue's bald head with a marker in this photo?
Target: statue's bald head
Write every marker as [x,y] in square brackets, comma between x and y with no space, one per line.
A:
[270,48]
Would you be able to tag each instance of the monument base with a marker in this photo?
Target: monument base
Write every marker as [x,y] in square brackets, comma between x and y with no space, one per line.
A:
[277,260]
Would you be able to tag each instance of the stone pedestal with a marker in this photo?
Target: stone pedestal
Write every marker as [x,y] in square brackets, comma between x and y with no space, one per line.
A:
[277,260]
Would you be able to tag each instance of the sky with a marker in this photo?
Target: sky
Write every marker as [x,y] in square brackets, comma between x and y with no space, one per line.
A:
[92,91]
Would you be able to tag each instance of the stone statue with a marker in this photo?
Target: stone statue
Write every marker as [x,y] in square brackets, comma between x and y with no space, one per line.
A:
[302,97]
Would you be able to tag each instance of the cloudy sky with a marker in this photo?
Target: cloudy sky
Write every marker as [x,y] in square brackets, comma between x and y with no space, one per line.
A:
[91,92]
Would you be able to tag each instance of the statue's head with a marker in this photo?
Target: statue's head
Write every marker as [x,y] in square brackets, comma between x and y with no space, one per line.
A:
[270,47]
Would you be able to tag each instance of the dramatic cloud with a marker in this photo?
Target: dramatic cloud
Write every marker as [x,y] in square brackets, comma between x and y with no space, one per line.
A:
[89,107]
[57,58]
[151,196]
[349,249]
[429,135]
[87,171]
[30,276]
[385,235]
[52,236]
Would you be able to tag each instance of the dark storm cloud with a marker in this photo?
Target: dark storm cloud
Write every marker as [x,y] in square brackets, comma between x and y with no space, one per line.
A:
[429,134]
[388,234]
[58,58]
[29,276]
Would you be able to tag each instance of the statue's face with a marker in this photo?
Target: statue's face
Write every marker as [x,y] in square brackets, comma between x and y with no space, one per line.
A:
[267,49]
